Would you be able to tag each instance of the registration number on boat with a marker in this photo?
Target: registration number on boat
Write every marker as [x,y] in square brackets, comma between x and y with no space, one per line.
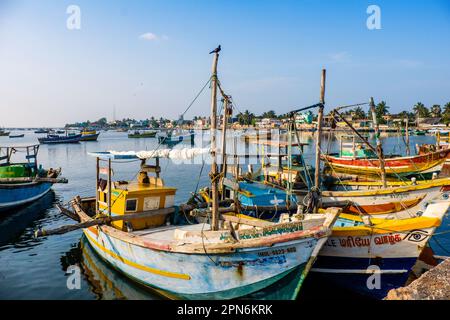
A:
[277,252]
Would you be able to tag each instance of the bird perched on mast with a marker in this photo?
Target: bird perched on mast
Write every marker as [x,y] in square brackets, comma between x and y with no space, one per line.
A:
[216,50]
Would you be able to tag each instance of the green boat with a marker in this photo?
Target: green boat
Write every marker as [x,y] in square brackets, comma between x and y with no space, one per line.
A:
[23,182]
[145,134]
[419,132]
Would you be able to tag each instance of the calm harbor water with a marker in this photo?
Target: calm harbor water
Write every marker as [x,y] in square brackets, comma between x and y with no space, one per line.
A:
[36,268]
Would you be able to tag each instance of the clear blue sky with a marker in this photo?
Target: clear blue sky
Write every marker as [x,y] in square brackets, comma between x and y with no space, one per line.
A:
[273,52]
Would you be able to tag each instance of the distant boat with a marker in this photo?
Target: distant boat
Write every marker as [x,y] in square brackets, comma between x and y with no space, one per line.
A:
[143,134]
[3,133]
[172,139]
[11,136]
[55,139]
[418,132]
[60,131]
[91,135]
[42,131]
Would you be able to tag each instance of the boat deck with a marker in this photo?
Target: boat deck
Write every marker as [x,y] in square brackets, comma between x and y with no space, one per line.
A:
[167,233]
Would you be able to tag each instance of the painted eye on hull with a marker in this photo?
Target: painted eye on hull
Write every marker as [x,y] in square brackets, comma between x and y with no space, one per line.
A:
[445,196]
[416,236]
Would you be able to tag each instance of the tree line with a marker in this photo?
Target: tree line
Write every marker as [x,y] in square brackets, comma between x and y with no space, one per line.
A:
[419,110]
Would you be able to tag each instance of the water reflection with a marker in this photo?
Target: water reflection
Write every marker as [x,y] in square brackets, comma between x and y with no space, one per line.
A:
[104,282]
[13,223]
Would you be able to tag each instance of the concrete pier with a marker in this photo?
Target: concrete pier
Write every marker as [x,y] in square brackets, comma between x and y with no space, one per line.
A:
[432,285]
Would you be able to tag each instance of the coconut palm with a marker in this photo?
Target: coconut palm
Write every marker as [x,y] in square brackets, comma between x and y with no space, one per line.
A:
[446,114]
[436,110]
[420,110]
[359,113]
[381,109]
[269,114]
[246,118]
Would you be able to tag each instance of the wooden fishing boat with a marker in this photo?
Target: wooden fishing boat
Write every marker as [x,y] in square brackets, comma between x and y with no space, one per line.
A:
[397,165]
[3,133]
[397,201]
[89,135]
[13,136]
[373,256]
[192,261]
[142,134]
[56,139]
[22,183]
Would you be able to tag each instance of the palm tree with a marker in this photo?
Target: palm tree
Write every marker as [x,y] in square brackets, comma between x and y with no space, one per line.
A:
[420,110]
[269,114]
[436,110]
[246,117]
[381,109]
[446,114]
[447,107]
[359,113]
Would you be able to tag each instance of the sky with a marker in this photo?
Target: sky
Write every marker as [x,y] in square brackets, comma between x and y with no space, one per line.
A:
[139,59]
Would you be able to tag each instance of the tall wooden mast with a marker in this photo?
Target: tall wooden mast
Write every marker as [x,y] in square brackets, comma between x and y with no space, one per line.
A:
[214,172]
[319,129]
[226,113]
[408,152]
[379,146]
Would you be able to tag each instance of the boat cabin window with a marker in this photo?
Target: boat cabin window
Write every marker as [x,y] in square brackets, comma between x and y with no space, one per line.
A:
[131,205]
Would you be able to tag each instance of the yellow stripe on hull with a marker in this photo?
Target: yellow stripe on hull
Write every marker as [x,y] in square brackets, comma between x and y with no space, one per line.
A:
[136,265]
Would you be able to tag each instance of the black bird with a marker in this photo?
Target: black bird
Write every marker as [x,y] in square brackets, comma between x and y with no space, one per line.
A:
[216,50]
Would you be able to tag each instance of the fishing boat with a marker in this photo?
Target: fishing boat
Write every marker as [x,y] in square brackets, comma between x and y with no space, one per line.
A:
[394,201]
[23,182]
[56,139]
[192,261]
[356,158]
[373,256]
[89,135]
[41,131]
[13,136]
[3,133]
[171,138]
[142,134]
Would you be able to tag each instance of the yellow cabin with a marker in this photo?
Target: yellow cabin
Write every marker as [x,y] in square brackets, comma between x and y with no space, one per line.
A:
[147,193]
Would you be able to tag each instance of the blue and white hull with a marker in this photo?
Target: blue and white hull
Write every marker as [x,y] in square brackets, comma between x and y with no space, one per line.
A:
[18,194]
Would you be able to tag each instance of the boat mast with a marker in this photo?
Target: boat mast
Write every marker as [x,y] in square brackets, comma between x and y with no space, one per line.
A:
[97,177]
[214,172]
[407,136]
[319,129]
[109,186]
[378,140]
[226,112]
